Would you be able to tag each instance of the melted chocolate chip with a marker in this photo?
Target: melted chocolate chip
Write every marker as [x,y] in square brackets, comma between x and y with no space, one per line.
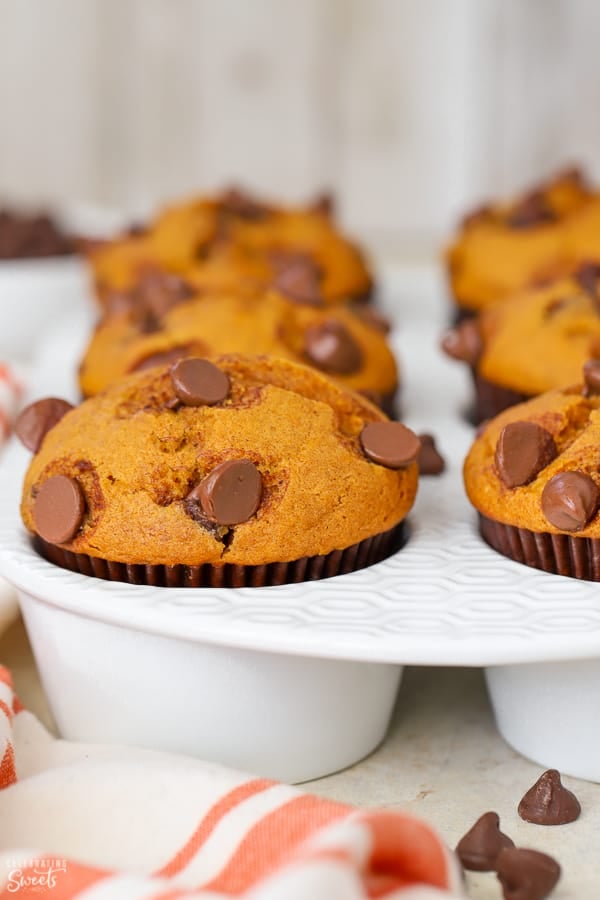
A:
[231,493]
[480,846]
[36,420]
[532,210]
[198,382]
[549,802]
[390,444]
[58,509]
[526,874]
[522,451]
[160,358]
[156,294]
[330,346]
[570,500]
[591,377]
[463,342]
[298,277]
[429,460]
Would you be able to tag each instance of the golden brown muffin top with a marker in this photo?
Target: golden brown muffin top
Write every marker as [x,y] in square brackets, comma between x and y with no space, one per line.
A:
[349,344]
[503,247]
[235,238]
[244,460]
[537,464]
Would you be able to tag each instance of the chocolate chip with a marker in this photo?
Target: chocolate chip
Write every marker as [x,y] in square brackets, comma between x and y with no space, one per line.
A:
[532,210]
[526,874]
[549,802]
[371,317]
[156,293]
[239,203]
[570,500]
[198,382]
[58,509]
[522,451]
[586,277]
[324,203]
[298,277]
[463,342]
[231,493]
[36,420]
[480,846]
[429,460]
[330,346]
[390,444]
[591,378]
[483,212]
[160,358]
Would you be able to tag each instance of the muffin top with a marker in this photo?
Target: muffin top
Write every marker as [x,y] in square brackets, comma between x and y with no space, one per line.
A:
[226,240]
[537,340]
[502,247]
[167,322]
[244,460]
[537,466]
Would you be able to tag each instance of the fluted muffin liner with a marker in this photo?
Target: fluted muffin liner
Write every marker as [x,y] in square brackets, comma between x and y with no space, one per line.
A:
[229,575]
[559,554]
[492,398]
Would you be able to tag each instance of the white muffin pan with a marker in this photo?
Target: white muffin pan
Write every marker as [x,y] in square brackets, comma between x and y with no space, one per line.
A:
[296,681]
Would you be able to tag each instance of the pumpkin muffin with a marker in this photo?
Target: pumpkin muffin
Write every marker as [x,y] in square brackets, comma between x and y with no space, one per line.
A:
[235,471]
[166,322]
[537,340]
[502,247]
[533,475]
[235,238]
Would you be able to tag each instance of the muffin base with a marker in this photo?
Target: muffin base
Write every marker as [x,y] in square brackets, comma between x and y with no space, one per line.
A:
[491,398]
[559,554]
[229,575]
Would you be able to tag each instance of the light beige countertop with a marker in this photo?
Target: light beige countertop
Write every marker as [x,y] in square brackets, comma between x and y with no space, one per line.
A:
[443,759]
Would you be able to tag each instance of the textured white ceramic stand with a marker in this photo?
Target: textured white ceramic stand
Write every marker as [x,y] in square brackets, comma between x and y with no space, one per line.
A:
[298,680]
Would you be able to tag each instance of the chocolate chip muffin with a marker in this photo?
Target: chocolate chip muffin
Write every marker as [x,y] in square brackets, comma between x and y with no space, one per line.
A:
[536,341]
[167,320]
[533,474]
[233,239]
[502,247]
[231,471]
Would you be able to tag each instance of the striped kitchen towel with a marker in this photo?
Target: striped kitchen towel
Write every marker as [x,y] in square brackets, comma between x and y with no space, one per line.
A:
[96,822]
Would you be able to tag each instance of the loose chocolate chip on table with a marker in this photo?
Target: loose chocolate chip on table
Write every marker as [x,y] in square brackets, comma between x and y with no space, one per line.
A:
[480,846]
[391,444]
[522,451]
[231,493]
[591,377]
[330,346]
[430,460]
[463,342]
[526,874]
[570,500]
[298,277]
[198,382]
[58,509]
[549,802]
[532,210]
[36,420]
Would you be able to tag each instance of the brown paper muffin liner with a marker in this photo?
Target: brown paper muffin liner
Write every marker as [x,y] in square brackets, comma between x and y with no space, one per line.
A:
[308,568]
[560,554]
[491,398]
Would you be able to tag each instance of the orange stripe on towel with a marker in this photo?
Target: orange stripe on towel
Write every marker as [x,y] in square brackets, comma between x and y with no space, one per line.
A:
[273,839]
[5,708]
[8,773]
[209,823]
[6,677]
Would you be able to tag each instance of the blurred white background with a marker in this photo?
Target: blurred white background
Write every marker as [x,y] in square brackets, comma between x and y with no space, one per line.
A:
[409,109]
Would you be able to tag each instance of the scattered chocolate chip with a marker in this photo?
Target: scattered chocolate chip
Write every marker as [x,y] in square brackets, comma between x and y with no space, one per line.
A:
[549,802]
[198,382]
[298,277]
[390,444]
[522,451]
[236,202]
[532,210]
[162,357]
[526,874]
[36,420]
[58,509]
[429,460]
[330,346]
[570,500]
[371,317]
[480,846]
[231,493]
[324,203]
[591,377]
[463,342]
